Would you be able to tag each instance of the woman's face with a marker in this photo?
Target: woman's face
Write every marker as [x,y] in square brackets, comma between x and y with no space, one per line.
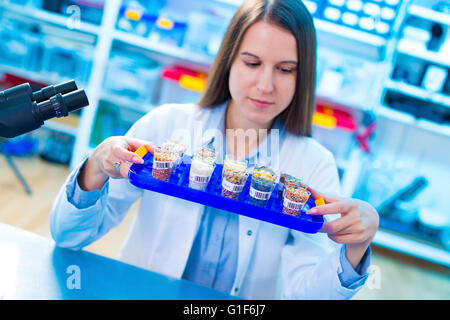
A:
[263,75]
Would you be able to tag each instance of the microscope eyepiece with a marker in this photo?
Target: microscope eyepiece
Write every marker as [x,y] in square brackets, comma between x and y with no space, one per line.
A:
[60,105]
[22,110]
[76,100]
[50,91]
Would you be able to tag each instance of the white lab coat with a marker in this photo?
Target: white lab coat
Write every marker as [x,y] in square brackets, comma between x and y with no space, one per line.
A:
[164,228]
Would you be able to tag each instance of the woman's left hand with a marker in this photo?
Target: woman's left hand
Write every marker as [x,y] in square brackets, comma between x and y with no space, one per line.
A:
[355,228]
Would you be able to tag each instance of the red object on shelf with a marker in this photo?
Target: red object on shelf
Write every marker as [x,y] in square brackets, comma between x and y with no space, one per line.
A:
[175,72]
[10,80]
[344,119]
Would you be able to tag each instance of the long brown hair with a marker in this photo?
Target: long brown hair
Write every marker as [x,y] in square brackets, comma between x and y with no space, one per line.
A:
[292,16]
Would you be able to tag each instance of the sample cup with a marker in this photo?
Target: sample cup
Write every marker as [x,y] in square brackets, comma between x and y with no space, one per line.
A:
[294,200]
[291,181]
[200,173]
[261,186]
[176,148]
[234,177]
[205,155]
[283,177]
[163,164]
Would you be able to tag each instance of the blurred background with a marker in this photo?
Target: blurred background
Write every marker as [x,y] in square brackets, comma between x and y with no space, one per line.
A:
[383,109]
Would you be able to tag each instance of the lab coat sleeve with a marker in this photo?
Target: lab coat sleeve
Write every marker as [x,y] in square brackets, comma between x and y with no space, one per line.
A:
[75,226]
[311,262]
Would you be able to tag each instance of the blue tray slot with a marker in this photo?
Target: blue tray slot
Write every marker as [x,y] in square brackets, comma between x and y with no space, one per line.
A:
[140,175]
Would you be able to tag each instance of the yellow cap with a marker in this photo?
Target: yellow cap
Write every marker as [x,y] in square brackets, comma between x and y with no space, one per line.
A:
[319,201]
[141,151]
[164,23]
[324,120]
[192,83]
[133,15]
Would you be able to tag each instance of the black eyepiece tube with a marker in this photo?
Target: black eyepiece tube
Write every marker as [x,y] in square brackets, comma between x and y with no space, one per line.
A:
[48,92]
[66,87]
[60,105]
[76,100]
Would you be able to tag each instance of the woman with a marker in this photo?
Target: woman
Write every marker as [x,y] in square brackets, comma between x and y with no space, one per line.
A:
[263,78]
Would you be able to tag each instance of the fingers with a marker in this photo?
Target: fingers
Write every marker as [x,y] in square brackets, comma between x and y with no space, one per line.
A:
[343,225]
[125,155]
[315,194]
[134,144]
[347,238]
[340,206]
[124,169]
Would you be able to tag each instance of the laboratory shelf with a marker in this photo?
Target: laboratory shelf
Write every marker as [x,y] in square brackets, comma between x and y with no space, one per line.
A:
[417,92]
[50,17]
[400,243]
[162,48]
[60,127]
[428,14]
[405,118]
[342,101]
[127,102]
[349,33]
[423,54]
[43,77]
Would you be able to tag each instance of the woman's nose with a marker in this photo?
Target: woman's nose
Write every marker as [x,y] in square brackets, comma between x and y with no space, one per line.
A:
[265,81]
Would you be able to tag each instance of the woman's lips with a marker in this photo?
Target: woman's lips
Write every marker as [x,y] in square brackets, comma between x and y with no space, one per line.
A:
[261,104]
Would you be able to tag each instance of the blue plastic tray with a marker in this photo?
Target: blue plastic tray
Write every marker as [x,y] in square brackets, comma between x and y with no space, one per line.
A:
[140,175]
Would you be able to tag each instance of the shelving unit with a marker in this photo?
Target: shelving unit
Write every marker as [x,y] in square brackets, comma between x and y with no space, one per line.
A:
[392,241]
[428,14]
[409,123]
[164,49]
[49,17]
[432,57]
[373,47]
[417,92]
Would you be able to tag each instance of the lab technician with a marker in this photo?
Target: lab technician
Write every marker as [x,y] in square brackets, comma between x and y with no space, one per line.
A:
[263,78]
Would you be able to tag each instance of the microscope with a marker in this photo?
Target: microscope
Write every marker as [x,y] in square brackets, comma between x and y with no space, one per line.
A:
[22,110]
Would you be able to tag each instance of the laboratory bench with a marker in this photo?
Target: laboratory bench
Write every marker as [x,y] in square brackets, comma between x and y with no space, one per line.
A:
[33,268]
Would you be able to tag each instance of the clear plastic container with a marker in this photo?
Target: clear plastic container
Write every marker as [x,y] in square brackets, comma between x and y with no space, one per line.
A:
[67,59]
[234,176]
[202,166]
[205,32]
[294,200]
[131,78]
[261,187]
[176,148]
[163,164]
[200,174]
[172,92]
[14,51]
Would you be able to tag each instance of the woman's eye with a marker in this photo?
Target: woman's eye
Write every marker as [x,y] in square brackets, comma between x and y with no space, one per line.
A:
[252,64]
[286,70]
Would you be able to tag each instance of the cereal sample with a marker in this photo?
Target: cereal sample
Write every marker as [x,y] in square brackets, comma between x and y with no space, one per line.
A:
[234,177]
[295,198]
[163,164]
[262,185]
[200,173]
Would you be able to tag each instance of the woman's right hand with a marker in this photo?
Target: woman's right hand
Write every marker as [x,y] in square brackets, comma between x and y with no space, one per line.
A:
[100,165]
